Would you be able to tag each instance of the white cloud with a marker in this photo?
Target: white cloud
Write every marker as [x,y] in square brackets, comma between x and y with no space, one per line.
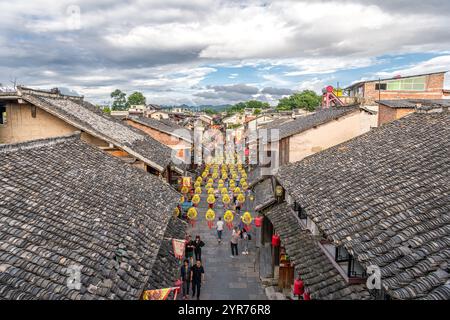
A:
[437,64]
[167,47]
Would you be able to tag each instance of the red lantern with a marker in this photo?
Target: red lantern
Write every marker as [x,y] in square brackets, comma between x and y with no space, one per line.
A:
[306,296]
[298,287]
[276,240]
[259,221]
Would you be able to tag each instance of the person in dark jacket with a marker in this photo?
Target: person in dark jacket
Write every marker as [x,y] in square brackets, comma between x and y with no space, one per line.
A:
[198,244]
[186,278]
[189,250]
[197,278]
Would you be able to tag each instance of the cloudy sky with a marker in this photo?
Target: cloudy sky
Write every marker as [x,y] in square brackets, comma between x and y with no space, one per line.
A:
[215,52]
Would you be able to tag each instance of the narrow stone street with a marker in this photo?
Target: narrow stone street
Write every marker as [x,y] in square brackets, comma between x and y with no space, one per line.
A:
[226,277]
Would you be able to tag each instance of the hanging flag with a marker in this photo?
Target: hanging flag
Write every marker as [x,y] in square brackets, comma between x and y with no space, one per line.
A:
[158,294]
[178,248]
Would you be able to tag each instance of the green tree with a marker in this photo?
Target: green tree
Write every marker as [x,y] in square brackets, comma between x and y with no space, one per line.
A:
[107,110]
[255,104]
[256,112]
[210,111]
[119,100]
[136,99]
[307,100]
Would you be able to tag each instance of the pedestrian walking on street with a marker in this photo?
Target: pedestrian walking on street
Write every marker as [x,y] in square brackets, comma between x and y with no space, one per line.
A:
[219,228]
[198,244]
[197,278]
[186,278]
[238,207]
[246,238]
[234,242]
[189,249]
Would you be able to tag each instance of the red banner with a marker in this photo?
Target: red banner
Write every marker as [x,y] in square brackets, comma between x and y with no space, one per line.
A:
[178,248]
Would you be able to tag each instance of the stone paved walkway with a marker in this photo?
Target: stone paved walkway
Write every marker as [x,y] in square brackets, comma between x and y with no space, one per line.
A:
[225,277]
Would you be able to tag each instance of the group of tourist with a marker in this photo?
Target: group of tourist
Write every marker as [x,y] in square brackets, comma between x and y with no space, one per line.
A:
[192,271]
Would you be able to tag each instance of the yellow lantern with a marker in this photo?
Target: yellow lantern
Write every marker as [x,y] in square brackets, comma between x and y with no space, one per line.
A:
[215,175]
[237,190]
[198,190]
[196,199]
[210,216]
[224,191]
[181,200]
[199,179]
[279,191]
[184,190]
[210,191]
[211,199]
[228,217]
[176,212]
[210,181]
[226,198]
[241,198]
[197,185]
[247,220]
[192,213]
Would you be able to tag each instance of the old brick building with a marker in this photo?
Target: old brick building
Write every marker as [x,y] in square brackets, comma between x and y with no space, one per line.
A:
[29,114]
[174,136]
[424,86]
[390,110]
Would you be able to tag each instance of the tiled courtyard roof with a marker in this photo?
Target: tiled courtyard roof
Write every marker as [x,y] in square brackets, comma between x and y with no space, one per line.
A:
[301,124]
[88,118]
[66,203]
[385,196]
[318,273]
[415,103]
[166,126]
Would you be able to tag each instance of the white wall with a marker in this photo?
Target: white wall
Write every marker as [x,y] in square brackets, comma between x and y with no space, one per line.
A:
[330,134]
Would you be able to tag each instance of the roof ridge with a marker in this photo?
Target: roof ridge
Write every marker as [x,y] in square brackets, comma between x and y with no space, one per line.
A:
[52,93]
[38,143]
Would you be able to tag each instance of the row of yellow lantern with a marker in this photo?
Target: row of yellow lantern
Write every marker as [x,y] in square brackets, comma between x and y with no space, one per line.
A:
[210,216]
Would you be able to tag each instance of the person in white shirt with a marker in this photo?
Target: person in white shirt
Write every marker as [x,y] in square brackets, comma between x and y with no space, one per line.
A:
[219,228]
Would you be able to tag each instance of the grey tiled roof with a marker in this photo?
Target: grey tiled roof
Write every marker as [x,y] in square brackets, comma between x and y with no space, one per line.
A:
[166,126]
[66,203]
[90,119]
[318,273]
[264,194]
[166,269]
[386,196]
[414,103]
[322,116]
